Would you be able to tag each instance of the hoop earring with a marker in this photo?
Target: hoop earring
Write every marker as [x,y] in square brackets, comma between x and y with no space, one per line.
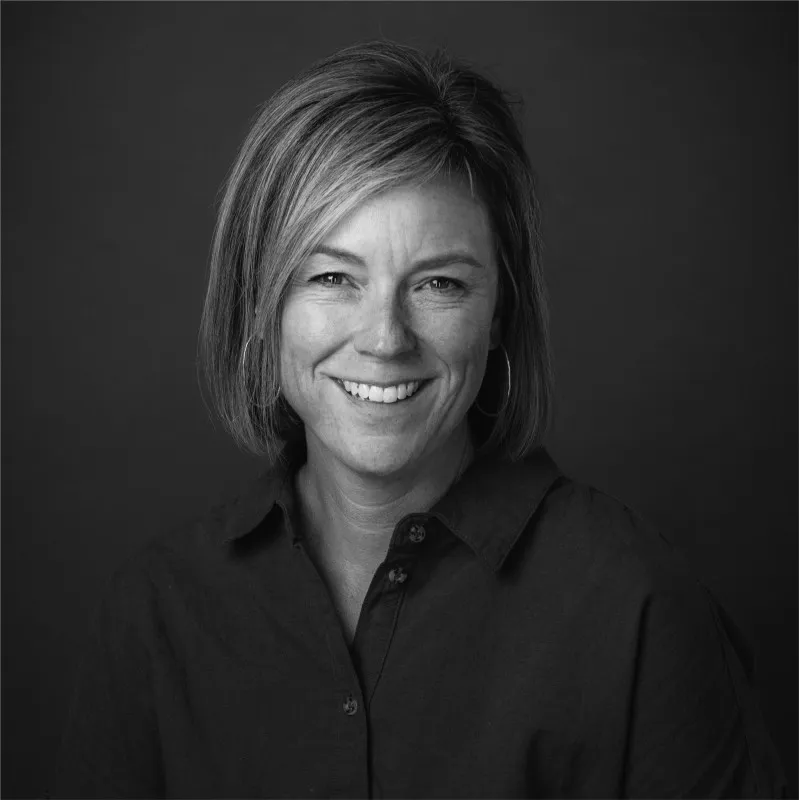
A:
[507,394]
[244,352]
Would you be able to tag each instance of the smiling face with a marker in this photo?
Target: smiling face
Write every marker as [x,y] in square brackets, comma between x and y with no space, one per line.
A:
[387,327]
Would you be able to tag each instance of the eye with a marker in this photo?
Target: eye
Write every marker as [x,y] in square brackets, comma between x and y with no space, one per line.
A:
[329,279]
[444,284]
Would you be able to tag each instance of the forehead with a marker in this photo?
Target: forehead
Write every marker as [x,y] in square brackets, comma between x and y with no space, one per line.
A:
[438,214]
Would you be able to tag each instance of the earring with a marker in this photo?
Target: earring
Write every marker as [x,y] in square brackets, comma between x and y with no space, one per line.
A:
[243,359]
[244,352]
[507,393]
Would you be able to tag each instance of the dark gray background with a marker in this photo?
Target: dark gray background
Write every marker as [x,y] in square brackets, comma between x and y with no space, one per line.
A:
[665,138]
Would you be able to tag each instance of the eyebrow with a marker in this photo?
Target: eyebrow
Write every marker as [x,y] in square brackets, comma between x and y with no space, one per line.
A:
[434,262]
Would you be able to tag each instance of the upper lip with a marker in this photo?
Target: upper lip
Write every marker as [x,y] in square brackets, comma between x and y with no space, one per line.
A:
[382,384]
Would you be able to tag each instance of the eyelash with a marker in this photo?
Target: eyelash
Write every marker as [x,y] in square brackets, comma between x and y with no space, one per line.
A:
[321,279]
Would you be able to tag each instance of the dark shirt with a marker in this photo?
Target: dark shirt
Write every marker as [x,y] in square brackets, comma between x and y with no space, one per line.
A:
[528,636]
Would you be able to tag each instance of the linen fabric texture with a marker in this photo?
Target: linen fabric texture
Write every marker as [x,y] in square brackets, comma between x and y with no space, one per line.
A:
[528,636]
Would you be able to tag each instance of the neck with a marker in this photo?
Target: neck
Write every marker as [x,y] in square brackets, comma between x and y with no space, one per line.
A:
[349,516]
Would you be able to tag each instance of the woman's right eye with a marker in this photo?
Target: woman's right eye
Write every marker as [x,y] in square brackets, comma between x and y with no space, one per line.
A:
[329,279]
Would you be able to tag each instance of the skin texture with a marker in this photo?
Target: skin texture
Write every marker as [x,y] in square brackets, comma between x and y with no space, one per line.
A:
[387,319]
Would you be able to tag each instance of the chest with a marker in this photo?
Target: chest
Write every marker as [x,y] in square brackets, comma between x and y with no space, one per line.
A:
[454,686]
[427,701]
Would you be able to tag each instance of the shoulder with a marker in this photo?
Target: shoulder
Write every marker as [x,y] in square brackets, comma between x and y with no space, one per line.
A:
[188,563]
[604,534]
[609,559]
[621,583]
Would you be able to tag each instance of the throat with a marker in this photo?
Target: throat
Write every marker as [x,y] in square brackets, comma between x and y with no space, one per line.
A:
[350,536]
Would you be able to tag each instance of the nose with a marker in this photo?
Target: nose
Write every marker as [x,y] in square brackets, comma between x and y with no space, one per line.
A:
[383,330]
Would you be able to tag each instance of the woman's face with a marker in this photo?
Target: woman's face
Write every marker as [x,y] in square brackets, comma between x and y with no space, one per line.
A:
[387,327]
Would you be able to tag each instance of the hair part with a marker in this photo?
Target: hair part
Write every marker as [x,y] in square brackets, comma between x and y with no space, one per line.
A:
[371,117]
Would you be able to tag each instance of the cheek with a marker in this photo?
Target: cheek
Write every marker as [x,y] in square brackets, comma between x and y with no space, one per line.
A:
[310,333]
[306,332]
[461,340]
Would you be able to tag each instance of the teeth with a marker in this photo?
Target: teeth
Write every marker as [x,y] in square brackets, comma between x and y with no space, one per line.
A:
[379,394]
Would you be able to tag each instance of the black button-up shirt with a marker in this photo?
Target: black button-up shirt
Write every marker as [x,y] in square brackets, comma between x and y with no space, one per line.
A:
[528,636]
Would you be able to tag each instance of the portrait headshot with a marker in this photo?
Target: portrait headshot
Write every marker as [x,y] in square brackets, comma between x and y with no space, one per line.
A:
[400,399]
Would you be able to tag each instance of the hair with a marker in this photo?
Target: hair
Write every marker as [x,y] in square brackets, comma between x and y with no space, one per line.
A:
[368,118]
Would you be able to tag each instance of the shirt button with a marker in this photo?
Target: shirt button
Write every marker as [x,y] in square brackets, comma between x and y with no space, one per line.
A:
[398,575]
[350,705]
[417,533]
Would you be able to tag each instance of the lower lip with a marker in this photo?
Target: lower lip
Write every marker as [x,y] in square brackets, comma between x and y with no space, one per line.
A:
[361,403]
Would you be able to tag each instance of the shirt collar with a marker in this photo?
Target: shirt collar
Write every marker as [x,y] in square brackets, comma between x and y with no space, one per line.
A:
[487,508]
[494,500]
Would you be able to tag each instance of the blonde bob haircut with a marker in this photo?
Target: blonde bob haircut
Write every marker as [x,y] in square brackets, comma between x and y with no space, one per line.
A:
[371,117]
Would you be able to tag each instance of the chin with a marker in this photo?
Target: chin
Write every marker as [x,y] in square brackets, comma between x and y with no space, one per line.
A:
[380,459]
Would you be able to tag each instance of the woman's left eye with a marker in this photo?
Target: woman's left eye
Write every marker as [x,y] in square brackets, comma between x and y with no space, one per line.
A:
[443,284]
[329,279]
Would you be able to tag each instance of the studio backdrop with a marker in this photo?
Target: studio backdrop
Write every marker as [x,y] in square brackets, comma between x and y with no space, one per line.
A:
[664,137]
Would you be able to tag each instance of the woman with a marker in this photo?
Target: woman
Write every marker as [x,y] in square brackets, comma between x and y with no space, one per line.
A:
[412,601]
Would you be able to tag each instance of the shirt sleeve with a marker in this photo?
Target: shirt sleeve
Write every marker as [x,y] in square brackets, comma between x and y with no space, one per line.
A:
[696,729]
[109,746]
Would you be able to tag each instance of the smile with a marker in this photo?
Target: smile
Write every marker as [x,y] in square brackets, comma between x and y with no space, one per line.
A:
[381,394]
